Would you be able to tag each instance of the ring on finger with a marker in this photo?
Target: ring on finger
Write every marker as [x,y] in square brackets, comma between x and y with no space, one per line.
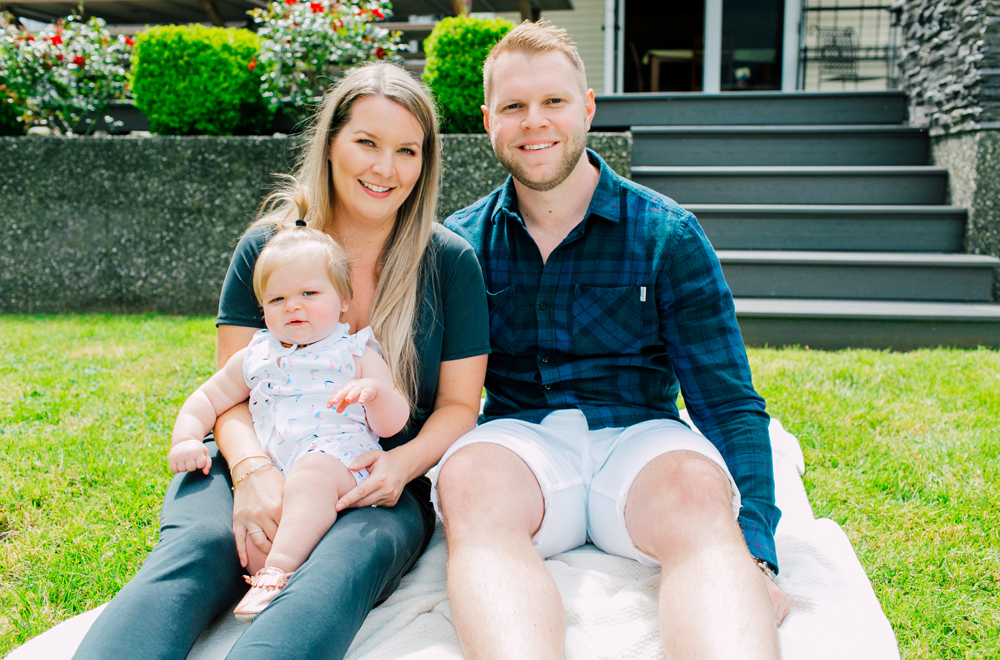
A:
[374,506]
[254,531]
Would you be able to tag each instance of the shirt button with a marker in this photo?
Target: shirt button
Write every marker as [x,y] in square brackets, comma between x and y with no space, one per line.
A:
[542,305]
[547,386]
[545,358]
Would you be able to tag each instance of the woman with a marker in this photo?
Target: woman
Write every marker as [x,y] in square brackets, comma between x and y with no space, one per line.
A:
[369,179]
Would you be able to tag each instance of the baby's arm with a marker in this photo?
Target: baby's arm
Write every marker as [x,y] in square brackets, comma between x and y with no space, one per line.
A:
[221,392]
[385,407]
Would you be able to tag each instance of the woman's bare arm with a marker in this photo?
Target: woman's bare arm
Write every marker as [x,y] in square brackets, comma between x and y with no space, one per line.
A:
[456,409]
[257,499]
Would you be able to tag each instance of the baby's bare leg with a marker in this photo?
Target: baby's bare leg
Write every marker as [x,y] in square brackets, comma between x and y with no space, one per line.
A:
[312,488]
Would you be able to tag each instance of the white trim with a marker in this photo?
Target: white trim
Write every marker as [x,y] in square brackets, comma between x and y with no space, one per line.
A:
[609,46]
[790,46]
[620,50]
[712,77]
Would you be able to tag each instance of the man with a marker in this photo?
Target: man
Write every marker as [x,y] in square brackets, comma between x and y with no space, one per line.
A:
[606,299]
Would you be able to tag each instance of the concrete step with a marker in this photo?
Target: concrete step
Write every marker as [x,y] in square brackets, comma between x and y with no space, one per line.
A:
[836,324]
[622,111]
[854,228]
[689,146]
[797,185]
[859,275]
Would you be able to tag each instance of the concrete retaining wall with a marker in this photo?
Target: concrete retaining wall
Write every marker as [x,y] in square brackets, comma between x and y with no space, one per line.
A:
[129,224]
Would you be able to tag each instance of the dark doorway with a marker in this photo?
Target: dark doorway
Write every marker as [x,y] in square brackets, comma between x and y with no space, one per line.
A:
[752,41]
[663,45]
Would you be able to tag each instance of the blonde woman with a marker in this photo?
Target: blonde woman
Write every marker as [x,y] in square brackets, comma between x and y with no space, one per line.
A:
[368,178]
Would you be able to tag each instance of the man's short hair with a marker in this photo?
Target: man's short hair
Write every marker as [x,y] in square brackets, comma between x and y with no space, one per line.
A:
[532,38]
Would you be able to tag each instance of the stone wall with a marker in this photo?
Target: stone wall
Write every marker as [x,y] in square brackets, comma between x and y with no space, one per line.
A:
[950,70]
[128,224]
[950,63]
[973,162]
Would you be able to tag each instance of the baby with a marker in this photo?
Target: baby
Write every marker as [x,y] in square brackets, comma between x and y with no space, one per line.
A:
[301,279]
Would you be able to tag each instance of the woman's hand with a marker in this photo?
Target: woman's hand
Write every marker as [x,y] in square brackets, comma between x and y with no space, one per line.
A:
[390,472]
[256,514]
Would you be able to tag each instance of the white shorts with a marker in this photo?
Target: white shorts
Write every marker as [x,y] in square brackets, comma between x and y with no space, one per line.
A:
[585,475]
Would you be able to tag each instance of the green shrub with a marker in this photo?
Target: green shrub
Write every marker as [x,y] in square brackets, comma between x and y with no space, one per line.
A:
[190,79]
[456,50]
[9,125]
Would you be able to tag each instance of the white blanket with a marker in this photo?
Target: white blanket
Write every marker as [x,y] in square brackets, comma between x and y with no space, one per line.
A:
[610,602]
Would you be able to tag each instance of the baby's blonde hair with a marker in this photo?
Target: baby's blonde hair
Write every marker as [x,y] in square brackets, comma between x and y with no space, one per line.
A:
[297,244]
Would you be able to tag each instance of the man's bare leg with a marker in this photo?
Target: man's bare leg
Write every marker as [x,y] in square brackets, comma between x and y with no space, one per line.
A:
[713,599]
[504,602]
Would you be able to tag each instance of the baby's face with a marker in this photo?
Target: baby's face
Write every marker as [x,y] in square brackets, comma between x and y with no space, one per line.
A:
[301,305]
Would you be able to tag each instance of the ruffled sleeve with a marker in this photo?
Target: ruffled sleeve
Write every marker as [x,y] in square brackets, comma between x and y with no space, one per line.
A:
[364,339]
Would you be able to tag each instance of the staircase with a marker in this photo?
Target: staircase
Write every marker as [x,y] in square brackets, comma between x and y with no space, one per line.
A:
[831,228]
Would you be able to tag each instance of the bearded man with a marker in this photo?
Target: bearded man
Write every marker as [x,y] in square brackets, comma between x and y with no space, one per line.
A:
[606,301]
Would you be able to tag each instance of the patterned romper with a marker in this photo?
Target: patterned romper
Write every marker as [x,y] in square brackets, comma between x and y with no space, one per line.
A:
[289,389]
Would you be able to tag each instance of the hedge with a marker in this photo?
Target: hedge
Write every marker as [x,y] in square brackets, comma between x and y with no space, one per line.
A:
[456,50]
[190,79]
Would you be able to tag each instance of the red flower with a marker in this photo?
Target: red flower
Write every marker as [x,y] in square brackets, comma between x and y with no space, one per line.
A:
[317,8]
[30,38]
[253,63]
[56,40]
[359,12]
[129,41]
[79,61]
[337,23]
[290,2]
[59,56]
[380,52]
[379,14]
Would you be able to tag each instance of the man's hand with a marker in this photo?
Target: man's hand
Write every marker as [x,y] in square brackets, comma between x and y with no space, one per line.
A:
[360,391]
[189,456]
[780,603]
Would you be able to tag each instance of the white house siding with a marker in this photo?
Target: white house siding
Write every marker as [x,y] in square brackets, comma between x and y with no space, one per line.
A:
[584,24]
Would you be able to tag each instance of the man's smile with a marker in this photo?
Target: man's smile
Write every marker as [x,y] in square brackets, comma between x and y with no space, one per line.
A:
[536,147]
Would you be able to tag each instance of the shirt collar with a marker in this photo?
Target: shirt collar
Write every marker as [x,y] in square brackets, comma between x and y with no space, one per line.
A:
[604,203]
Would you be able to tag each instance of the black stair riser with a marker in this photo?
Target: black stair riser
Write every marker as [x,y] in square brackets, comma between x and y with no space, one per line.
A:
[780,149]
[621,111]
[859,282]
[835,334]
[861,234]
[756,188]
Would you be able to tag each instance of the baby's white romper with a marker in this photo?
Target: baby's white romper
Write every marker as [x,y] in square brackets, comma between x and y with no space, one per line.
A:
[289,390]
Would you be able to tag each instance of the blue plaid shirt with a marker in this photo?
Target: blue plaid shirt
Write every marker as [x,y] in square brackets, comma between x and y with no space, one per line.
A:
[630,309]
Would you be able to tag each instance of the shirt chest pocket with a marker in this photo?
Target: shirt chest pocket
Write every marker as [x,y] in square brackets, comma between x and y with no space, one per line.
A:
[608,320]
[503,330]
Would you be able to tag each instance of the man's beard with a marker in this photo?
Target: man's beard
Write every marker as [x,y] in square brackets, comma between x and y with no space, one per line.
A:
[574,149]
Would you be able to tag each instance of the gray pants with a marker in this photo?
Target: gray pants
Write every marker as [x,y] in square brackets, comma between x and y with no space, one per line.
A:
[194,573]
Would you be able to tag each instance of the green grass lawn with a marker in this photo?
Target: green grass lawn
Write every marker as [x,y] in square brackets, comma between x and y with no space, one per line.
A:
[902,450]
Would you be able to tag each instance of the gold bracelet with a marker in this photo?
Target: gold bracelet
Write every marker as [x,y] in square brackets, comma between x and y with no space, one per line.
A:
[243,459]
[237,482]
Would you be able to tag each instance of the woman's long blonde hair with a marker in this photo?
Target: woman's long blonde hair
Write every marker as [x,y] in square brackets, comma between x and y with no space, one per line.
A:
[309,194]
